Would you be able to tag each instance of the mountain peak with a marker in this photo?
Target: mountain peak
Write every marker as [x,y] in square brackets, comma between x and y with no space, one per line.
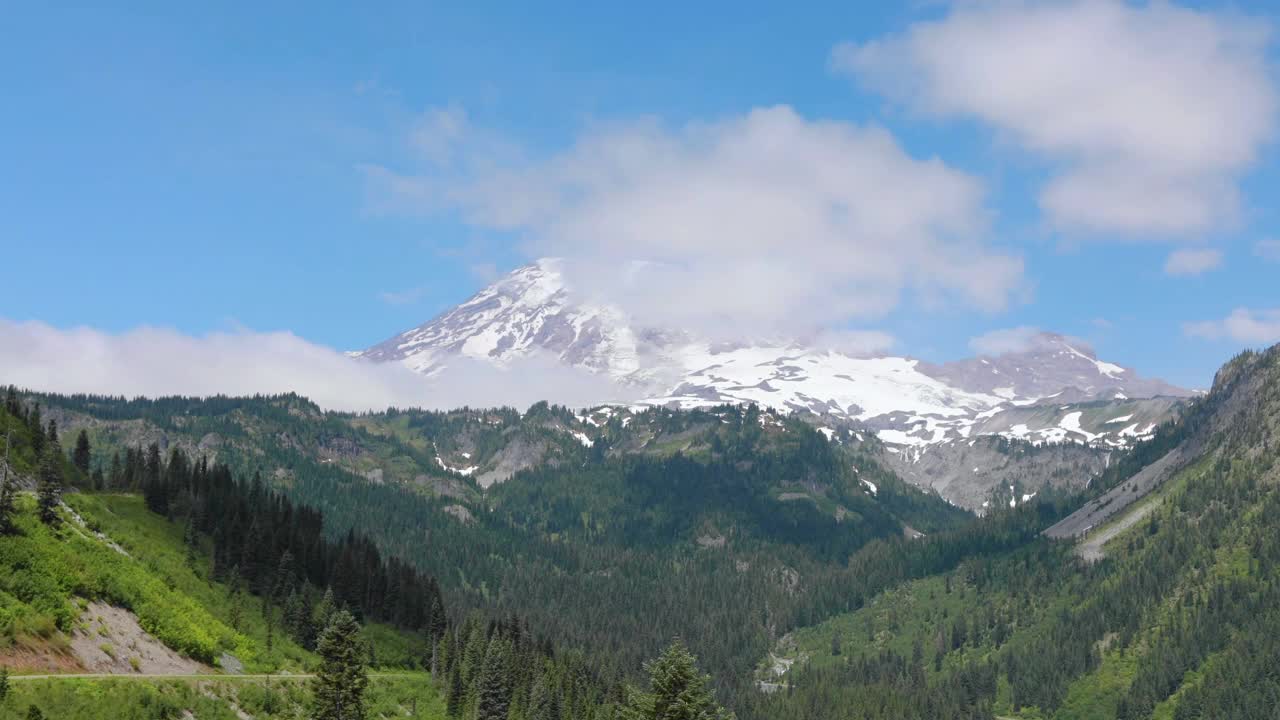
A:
[526,312]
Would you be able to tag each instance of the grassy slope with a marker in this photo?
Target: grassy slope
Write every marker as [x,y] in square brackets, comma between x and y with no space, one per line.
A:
[44,572]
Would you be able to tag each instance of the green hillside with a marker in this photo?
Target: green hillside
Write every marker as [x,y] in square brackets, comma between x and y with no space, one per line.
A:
[49,576]
[602,526]
[208,595]
[1177,620]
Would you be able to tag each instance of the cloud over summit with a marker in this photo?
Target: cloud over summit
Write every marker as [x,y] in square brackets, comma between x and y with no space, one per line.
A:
[750,221]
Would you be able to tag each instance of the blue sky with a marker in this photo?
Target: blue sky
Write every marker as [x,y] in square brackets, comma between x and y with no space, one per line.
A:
[208,168]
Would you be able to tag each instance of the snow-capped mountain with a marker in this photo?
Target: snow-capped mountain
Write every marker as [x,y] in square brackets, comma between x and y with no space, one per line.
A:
[1049,364]
[528,311]
[1029,395]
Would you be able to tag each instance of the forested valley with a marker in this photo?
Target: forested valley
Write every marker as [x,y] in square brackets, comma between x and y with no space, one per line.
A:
[807,579]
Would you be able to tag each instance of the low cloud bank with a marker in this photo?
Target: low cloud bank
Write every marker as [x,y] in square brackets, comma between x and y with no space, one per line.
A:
[155,362]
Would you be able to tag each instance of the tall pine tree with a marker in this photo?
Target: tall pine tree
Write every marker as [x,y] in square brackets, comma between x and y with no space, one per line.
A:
[493,686]
[544,701]
[81,456]
[339,685]
[8,494]
[457,697]
[49,486]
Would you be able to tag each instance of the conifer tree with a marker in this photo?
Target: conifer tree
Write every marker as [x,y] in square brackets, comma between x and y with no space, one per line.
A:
[81,456]
[679,691]
[544,701]
[297,618]
[4,684]
[49,486]
[457,694]
[8,505]
[33,713]
[325,610]
[473,653]
[191,541]
[237,601]
[153,489]
[115,478]
[493,686]
[286,578]
[8,494]
[339,685]
[270,618]
[36,426]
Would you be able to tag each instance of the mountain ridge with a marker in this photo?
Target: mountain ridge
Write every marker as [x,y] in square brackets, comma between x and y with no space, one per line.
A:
[904,400]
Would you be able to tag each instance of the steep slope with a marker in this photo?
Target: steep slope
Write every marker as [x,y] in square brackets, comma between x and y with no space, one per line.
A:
[1174,618]
[532,311]
[107,616]
[1238,418]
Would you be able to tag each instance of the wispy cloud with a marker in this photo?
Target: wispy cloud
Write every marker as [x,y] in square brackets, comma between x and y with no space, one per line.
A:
[403,297]
[1243,325]
[857,343]
[1268,249]
[1008,340]
[1192,262]
[154,362]
[1149,112]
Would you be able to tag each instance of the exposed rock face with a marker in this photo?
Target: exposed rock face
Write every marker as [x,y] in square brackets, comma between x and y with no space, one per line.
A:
[462,514]
[112,641]
[969,473]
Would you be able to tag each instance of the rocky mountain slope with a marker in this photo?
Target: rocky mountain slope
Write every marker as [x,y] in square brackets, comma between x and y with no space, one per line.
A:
[1052,391]
[905,401]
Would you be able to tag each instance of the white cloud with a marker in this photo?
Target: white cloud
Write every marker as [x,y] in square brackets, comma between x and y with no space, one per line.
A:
[1243,325]
[153,362]
[1008,340]
[1192,262]
[1150,112]
[1268,249]
[857,343]
[439,131]
[743,225]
